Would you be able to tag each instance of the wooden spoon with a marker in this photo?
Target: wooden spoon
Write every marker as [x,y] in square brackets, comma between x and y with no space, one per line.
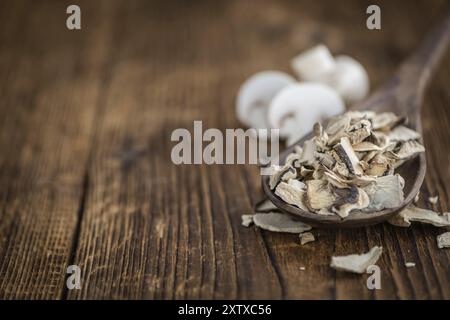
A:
[403,95]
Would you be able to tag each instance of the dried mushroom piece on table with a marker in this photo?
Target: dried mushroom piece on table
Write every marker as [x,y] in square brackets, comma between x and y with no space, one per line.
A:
[306,237]
[349,166]
[433,200]
[279,222]
[247,220]
[356,263]
[415,214]
[265,205]
[443,240]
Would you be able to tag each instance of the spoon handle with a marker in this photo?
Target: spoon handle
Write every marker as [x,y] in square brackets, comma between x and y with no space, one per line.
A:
[403,92]
[415,73]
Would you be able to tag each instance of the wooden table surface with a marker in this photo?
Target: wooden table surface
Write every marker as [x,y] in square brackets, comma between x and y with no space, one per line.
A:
[86,176]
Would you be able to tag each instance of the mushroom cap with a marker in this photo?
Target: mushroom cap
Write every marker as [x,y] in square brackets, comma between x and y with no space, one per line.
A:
[296,108]
[255,95]
[313,63]
[349,79]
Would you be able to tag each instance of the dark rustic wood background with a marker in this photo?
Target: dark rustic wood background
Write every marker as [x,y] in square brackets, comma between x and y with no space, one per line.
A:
[85,170]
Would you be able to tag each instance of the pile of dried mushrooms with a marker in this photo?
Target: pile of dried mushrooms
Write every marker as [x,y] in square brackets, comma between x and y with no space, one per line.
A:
[349,166]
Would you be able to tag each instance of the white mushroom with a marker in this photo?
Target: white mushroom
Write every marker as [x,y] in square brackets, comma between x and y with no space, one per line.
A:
[296,108]
[313,63]
[255,95]
[349,79]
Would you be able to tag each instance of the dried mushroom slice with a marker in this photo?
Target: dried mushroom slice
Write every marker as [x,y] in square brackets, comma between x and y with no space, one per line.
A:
[347,155]
[321,137]
[278,173]
[385,121]
[357,263]
[359,131]
[379,166]
[279,222]
[285,172]
[433,200]
[336,180]
[361,203]
[265,205]
[319,195]
[385,192]
[443,240]
[415,214]
[325,159]
[402,133]
[306,237]
[409,149]
[247,220]
[292,194]
[365,146]
[309,147]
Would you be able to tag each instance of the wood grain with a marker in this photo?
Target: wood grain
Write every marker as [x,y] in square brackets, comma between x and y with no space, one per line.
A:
[85,171]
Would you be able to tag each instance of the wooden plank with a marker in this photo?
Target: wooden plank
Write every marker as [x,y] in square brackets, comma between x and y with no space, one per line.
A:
[155,230]
[50,81]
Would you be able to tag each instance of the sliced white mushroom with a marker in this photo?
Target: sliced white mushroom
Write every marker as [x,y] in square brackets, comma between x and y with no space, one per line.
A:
[255,95]
[348,78]
[279,222]
[357,263]
[313,63]
[443,240]
[306,237]
[247,220]
[415,214]
[296,108]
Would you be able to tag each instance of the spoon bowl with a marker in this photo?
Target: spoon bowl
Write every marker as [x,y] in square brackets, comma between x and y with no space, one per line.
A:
[402,94]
